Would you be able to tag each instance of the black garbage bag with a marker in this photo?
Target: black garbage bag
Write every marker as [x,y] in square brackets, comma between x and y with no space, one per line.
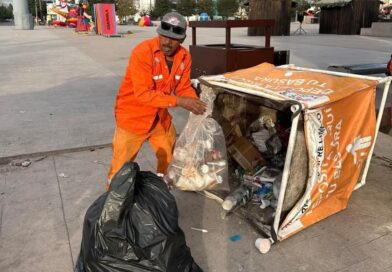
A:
[134,227]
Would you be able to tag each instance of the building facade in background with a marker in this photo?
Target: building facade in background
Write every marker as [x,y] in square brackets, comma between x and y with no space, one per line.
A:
[144,5]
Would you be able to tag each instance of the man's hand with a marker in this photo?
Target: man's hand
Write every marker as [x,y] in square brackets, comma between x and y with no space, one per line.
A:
[195,105]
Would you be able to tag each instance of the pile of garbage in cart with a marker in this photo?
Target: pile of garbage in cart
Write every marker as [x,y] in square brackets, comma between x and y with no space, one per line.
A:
[239,146]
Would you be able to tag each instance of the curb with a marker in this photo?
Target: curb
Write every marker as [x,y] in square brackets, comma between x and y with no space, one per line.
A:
[8,159]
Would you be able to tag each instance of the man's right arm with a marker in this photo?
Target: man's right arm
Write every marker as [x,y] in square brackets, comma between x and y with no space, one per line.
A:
[195,105]
[186,95]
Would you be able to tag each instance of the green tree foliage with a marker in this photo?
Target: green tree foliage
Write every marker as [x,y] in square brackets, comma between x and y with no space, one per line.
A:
[161,8]
[186,7]
[125,8]
[6,12]
[206,6]
[302,5]
[41,8]
[31,4]
[227,8]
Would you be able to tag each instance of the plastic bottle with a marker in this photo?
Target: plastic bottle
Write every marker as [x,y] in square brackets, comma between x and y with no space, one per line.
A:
[217,163]
[264,192]
[237,198]
[276,187]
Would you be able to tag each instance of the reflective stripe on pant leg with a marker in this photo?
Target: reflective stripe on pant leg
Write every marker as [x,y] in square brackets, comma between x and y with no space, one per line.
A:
[125,147]
[162,142]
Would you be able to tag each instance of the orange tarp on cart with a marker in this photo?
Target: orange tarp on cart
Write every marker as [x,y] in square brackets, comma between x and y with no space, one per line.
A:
[340,124]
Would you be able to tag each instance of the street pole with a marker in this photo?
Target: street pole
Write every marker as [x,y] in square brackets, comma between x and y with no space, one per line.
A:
[40,10]
[22,17]
[36,12]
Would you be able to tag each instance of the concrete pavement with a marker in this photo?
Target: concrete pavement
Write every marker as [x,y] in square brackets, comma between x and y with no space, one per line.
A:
[58,88]
[43,206]
[57,91]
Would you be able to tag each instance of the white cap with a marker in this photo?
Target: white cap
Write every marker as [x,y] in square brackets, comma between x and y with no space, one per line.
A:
[204,169]
[219,179]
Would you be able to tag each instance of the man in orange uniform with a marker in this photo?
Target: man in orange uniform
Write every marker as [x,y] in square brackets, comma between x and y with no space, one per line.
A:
[157,78]
[389,67]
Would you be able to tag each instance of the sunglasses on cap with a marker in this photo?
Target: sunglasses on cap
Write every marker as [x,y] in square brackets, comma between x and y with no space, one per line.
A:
[175,29]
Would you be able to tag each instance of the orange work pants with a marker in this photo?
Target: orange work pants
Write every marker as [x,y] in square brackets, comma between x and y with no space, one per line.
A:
[126,146]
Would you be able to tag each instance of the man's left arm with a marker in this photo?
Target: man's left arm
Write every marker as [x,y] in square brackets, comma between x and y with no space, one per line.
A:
[184,87]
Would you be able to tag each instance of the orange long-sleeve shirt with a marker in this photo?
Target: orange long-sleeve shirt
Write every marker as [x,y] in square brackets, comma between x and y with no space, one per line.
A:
[148,89]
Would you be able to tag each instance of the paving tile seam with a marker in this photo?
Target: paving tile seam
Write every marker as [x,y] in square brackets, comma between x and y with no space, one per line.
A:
[351,265]
[375,239]
[63,211]
[8,159]
[2,205]
[94,162]
[358,244]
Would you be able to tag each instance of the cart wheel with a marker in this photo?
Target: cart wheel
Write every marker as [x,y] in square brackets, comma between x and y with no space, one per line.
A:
[263,245]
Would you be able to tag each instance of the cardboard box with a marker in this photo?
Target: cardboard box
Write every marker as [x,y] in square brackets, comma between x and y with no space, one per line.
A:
[231,131]
[245,154]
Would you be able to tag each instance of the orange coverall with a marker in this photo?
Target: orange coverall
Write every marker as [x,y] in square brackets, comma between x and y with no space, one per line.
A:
[145,94]
[389,68]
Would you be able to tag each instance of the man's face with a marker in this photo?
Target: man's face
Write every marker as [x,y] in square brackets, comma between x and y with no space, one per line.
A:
[168,45]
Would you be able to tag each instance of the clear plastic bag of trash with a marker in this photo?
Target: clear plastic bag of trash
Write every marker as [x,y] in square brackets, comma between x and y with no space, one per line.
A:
[134,227]
[199,158]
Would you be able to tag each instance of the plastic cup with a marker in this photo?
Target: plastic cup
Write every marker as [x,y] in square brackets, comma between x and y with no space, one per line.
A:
[263,245]
[228,205]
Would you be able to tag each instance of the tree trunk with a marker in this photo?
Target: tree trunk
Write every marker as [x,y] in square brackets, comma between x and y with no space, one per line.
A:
[278,10]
